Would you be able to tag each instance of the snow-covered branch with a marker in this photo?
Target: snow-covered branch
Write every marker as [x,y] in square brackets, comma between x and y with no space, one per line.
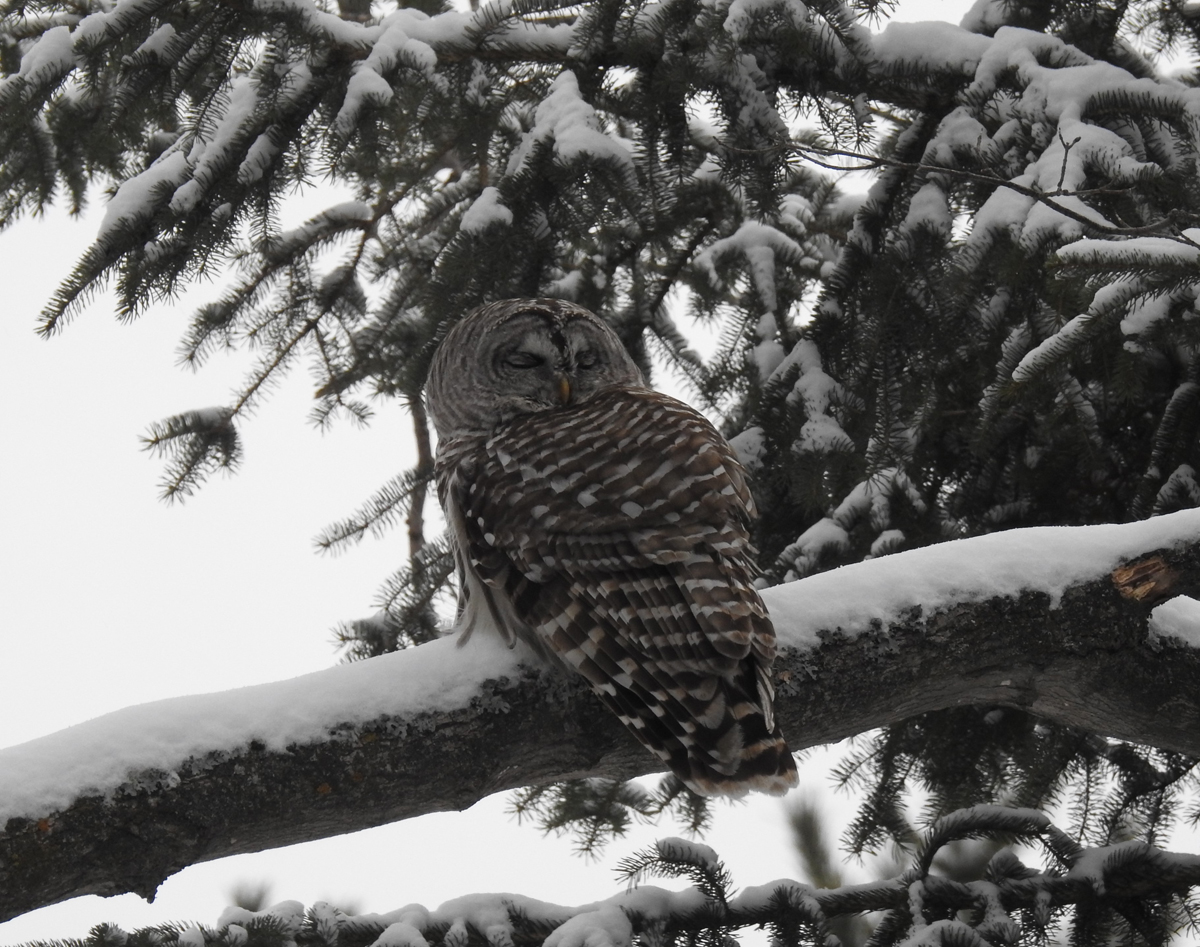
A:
[1053,199]
[1013,899]
[1032,619]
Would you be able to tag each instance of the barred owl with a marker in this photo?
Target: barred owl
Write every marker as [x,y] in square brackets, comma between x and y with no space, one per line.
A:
[605,524]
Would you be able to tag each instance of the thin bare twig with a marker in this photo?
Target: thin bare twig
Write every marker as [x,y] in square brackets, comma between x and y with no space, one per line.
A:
[1067,146]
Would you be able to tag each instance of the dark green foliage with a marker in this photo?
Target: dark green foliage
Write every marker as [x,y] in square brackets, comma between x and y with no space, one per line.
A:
[408,605]
[1003,332]
[595,810]
[822,868]
[195,444]
[972,756]
[699,864]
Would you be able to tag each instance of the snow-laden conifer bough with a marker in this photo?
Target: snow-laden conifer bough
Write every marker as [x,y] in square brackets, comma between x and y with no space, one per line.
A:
[1081,625]
[1035,222]
[994,910]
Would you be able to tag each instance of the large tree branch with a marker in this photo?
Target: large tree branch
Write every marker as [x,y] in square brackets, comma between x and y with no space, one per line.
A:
[327,754]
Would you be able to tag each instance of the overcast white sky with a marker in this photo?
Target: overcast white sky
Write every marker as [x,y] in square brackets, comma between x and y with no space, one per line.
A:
[109,597]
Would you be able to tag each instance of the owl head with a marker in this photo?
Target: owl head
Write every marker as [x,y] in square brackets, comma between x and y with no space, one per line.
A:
[520,356]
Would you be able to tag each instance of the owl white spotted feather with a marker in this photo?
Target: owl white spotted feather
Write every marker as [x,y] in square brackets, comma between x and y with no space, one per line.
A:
[606,524]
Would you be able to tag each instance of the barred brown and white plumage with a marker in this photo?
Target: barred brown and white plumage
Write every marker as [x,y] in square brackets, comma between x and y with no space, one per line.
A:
[606,524]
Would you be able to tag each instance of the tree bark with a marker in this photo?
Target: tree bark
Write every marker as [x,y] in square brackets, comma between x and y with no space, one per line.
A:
[1088,662]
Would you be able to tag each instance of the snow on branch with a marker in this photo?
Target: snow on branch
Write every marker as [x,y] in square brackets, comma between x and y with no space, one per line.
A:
[1032,619]
[1138,282]
[1011,900]
[572,128]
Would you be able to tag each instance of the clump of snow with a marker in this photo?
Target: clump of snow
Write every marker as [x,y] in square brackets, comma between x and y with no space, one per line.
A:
[1181,488]
[52,56]
[678,849]
[750,446]
[208,156]
[870,501]
[651,902]
[1045,559]
[768,353]
[928,209]
[1178,620]
[931,44]
[742,14]
[1093,864]
[599,924]
[486,211]
[1145,313]
[1054,85]
[1097,252]
[191,937]
[1004,212]
[796,211]
[571,126]
[329,222]
[571,284]
[404,39]
[607,926]
[1056,346]
[759,245]
[319,22]
[400,934]
[290,914]
[887,542]
[159,41]
[134,199]
[493,915]
[415,916]
[815,391]
[259,157]
[1143,303]
[216,414]
[392,47]
[985,16]
[1142,308]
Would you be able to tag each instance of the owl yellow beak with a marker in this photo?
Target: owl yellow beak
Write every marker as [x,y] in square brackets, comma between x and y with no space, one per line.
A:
[564,389]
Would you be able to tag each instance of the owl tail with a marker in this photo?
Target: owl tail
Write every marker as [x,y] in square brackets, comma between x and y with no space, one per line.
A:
[748,756]
[719,735]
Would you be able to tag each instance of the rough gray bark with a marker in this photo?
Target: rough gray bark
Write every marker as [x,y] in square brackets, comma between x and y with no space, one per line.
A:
[1086,663]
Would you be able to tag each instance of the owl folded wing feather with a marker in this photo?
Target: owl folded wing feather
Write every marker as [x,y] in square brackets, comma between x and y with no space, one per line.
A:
[614,537]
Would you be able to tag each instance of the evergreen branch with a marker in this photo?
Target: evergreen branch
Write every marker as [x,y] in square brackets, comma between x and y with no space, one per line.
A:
[594,811]
[679,858]
[407,615]
[378,514]
[591,810]
[196,443]
[875,162]
[267,370]
[526,729]
[978,822]
[931,909]
[414,588]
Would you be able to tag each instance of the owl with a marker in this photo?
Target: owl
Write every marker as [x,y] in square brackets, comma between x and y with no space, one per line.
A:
[606,525]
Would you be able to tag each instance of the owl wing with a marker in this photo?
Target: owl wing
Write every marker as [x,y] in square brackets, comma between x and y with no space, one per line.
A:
[614,537]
